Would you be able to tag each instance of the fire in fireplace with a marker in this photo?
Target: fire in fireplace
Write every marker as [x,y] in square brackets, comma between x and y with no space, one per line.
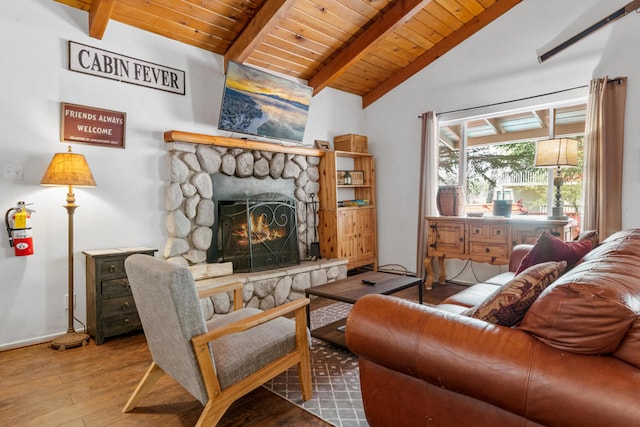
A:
[257,233]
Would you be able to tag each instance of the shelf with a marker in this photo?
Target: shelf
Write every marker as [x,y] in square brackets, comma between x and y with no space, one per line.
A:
[223,141]
[346,208]
[354,186]
[351,154]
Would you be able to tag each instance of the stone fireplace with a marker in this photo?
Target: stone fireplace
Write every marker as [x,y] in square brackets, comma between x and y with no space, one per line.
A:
[189,196]
[200,173]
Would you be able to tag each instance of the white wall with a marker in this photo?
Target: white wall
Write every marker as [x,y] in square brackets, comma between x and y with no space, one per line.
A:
[498,64]
[127,206]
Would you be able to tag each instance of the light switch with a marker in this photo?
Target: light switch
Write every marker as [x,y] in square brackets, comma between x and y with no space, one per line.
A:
[12,171]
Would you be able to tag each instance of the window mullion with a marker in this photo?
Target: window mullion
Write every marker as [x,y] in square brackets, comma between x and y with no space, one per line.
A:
[462,171]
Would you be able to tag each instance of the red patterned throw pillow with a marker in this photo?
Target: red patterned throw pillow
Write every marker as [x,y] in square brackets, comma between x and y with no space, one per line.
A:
[550,248]
[508,305]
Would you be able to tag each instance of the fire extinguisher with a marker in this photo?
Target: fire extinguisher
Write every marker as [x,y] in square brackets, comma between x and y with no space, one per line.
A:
[18,222]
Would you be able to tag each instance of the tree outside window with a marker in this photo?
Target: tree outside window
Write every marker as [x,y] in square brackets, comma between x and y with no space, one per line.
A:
[505,170]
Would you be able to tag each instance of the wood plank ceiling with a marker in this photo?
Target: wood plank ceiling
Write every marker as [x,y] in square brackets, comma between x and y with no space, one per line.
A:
[364,47]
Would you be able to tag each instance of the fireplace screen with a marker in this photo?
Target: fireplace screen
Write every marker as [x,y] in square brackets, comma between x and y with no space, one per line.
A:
[258,233]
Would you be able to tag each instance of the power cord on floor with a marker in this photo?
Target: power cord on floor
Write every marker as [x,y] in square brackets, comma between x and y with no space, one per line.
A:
[387,268]
[464,267]
[84,327]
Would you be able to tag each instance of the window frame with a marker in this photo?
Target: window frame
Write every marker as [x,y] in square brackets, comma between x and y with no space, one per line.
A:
[463,118]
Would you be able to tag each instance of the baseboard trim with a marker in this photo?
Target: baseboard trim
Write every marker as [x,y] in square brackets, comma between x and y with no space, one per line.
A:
[33,341]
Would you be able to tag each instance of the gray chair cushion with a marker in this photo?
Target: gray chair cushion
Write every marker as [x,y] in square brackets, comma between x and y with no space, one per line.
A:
[241,354]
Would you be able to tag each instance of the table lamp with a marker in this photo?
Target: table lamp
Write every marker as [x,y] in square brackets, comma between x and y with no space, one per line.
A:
[69,169]
[557,153]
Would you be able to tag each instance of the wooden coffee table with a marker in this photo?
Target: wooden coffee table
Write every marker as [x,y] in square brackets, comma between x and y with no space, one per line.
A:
[350,290]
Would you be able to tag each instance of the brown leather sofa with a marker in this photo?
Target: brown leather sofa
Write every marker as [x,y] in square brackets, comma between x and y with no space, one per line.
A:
[573,360]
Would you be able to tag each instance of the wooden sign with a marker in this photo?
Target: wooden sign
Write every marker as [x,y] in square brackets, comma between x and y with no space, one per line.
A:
[102,63]
[95,126]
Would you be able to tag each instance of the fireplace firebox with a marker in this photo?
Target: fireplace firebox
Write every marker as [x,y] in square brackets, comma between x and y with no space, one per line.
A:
[257,233]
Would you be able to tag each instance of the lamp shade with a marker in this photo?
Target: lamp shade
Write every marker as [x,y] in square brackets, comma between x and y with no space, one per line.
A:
[68,169]
[557,152]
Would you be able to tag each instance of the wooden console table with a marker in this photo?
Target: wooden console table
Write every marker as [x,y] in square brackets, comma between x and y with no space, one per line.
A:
[486,239]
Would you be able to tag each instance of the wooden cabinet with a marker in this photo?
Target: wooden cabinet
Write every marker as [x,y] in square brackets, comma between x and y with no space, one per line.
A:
[487,239]
[111,310]
[348,231]
[356,242]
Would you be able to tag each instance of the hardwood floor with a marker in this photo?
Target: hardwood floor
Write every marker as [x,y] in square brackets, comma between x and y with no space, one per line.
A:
[88,386]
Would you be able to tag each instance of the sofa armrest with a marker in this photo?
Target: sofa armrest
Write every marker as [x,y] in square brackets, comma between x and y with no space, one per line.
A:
[517,253]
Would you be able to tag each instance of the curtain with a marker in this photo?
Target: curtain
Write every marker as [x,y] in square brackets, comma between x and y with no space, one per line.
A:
[428,183]
[603,151]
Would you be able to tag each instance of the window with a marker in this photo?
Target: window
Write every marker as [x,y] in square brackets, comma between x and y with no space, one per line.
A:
[492,157]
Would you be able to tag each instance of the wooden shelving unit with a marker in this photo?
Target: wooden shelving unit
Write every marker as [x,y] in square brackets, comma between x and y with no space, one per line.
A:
[348,231]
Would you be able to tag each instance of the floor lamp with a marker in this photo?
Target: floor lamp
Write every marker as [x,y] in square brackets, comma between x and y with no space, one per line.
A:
[69,169]
[557,153]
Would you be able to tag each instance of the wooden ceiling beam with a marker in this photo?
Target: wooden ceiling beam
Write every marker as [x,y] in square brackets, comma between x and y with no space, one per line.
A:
[495,125]
[257,30]
[99,16]
[485,18]
[391,20]
[526,135]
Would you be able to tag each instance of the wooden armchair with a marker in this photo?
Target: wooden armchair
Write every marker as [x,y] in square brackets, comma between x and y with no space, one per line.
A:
[220,360]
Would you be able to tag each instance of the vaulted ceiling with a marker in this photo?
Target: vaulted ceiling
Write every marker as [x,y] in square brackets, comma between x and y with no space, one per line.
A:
[364,47]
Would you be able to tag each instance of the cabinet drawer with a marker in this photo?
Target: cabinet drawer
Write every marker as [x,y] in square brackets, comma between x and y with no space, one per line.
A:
[498,252]
[117,325]
[116,288]
[487,233]
[112,269]
[116,306]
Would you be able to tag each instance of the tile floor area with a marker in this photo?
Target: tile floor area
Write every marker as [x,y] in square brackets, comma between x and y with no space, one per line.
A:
[336,381]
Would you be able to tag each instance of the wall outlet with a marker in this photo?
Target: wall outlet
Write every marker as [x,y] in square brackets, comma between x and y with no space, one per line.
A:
[66,301]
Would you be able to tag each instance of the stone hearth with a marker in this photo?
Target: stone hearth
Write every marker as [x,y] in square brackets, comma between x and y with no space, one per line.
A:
[267,289]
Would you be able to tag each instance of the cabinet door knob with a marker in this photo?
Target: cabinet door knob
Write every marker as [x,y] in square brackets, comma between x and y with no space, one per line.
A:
[487,250]
[124,306]
[112,268]
[126,322]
